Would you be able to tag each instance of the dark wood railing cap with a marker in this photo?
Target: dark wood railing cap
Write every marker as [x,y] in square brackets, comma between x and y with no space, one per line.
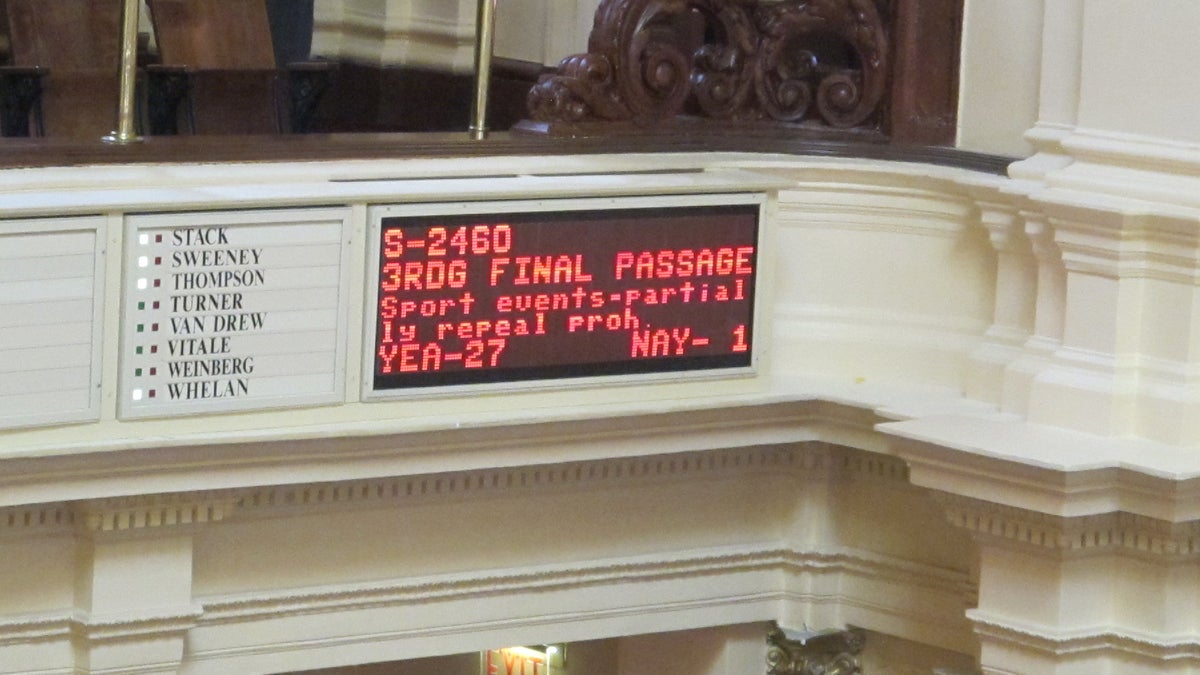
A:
[45,152]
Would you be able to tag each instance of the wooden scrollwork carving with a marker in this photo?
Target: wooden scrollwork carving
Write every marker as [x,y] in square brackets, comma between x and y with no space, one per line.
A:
[823,62]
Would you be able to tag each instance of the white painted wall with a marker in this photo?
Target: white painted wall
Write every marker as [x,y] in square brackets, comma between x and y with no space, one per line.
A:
[1000,75]
[1136,77]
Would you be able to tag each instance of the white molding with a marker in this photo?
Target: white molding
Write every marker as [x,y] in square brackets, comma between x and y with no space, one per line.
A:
[118,628]
[39,519]
[1158,173]
[1132,150]
[715,565]
[413,590]
[1049,470]
[36,628]
[122,514]
[1130,246]
[1104,533]
[95,629]
[1180,651]
[735,583]
[808,461]
[382,448]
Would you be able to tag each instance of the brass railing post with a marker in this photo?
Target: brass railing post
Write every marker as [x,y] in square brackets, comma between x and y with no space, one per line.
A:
[125,132]
[485,34]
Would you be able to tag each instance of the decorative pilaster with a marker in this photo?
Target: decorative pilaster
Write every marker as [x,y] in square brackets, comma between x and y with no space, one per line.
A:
[1127,361]
[1049,289]
[825,652]
[1111,592]
[1058,96]
[1013,311]
[133,592]
[1088,386]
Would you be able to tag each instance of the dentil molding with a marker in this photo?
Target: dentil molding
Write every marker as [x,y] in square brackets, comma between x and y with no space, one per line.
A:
[1114,532]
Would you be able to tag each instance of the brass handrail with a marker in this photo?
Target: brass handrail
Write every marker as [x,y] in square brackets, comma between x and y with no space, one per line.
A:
[485,35]
[125,132]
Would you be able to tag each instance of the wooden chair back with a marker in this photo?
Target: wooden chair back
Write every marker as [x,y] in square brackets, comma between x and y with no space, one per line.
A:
[226,50]
[78,42]
[65,34]
[213,34]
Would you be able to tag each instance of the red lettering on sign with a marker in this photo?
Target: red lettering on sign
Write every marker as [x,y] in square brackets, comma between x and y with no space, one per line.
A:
[557,294]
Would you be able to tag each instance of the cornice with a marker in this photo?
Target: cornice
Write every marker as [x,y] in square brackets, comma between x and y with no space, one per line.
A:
[414,590]
[494,481]
[1059,472]
[65,625]
[1176,649]
[151,512]
[630,570]
[1114,532]
[34,628]
[763,562]
[152,625]
[379,449]
[882,569]
[802,461]
[1119,241]
[38,519]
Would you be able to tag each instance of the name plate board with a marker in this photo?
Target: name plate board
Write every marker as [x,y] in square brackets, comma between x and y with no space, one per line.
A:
[234,311]
[51,311]
[549,290]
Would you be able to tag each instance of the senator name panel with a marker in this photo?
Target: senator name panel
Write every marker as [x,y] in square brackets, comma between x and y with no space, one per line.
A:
[234,311]
[553,290]
[51,309]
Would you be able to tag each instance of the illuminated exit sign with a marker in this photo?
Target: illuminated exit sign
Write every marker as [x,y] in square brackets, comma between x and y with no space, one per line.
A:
[539,660]
[512,292]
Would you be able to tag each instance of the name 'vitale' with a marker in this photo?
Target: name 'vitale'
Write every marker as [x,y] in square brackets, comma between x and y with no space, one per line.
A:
[229,311]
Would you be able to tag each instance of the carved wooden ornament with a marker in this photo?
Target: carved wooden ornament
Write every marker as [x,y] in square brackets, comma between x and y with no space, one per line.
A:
[790,61]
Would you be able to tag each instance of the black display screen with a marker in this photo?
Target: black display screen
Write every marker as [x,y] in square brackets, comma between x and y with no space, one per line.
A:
[563,294]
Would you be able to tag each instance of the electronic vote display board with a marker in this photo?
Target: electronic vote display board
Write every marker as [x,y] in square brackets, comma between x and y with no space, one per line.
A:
[552,290]
[229,311]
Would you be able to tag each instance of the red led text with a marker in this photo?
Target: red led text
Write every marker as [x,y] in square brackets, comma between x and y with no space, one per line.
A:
[543,295]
